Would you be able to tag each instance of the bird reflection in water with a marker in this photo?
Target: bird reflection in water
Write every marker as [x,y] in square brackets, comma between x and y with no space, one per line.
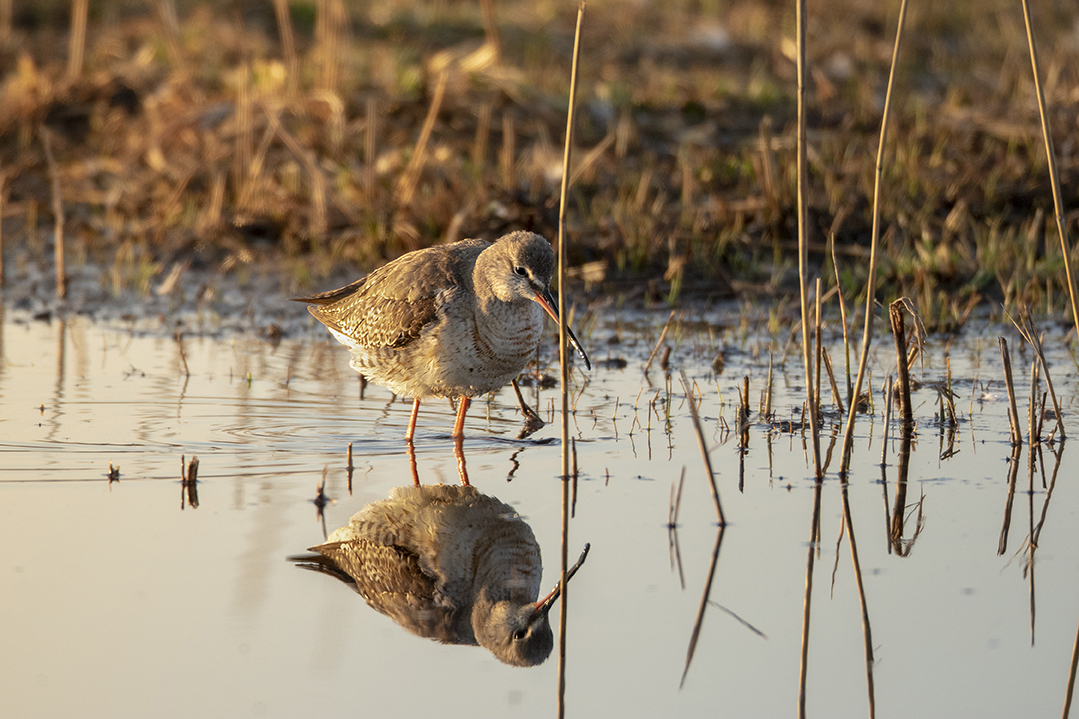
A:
[448,563]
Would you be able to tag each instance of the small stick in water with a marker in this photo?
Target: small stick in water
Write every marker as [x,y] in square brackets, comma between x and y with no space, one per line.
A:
[1013,411]
[895,311]
[350,468]
[831,379]
[183,357]
[659,342]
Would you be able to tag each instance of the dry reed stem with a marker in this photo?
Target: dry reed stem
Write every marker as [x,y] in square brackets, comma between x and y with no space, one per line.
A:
[251,186]
[827,361]
[183,355]
[1071,678]
[1054,175]
[4,189]
[210,219]
[406,187]
[1032,434]
[166,13]
[483,136]
[370,147]
[1030,334]
[318,181]
[895,312]
[288,45]
[244,130]
[349,467]
[189,482]
[803,246]
[843,319]
[704,450]
[743,395]
[76,46]
[871,282]
[768,392]
[57,212]
[5,20]
[490,29]
[768,162]
[887,420]
[329,28]
[1013,411]
[592,157]
[659,342]
[817,350]
[508,153]
[563,359]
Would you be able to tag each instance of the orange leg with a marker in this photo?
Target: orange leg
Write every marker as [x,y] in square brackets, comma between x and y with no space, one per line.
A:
[411,448]
[411,431]
[459,425]
[459,453]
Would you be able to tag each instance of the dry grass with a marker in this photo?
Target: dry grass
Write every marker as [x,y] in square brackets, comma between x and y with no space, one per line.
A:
[224,142]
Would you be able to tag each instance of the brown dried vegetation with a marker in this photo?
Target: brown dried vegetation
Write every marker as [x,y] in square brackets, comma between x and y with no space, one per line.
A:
[200,135]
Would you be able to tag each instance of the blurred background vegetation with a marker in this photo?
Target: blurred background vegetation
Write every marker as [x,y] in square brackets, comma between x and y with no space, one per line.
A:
[304,139]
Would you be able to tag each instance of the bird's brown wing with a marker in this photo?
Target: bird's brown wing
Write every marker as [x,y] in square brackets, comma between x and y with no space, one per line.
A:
[390,579]
[391,306]
[379,569]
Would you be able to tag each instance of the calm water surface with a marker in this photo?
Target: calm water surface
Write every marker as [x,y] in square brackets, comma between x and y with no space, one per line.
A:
[123,600]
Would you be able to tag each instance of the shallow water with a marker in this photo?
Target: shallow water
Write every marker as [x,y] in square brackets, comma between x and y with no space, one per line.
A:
[122,599]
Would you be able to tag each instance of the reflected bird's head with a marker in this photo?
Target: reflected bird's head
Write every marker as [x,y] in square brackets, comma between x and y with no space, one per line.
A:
[517,634]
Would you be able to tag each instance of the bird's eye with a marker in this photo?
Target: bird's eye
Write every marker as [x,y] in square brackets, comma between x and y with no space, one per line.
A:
[520,271]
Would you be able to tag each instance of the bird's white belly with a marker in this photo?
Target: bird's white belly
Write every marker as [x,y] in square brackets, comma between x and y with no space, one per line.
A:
[458,356]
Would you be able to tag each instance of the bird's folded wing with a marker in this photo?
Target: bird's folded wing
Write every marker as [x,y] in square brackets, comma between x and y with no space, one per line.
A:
[394,304]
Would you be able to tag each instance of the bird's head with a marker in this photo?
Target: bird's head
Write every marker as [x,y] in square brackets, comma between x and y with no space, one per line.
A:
[518,267]
[517,634]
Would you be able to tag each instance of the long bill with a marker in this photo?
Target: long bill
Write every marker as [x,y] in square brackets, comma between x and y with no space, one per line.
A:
[546,301]
[544,605]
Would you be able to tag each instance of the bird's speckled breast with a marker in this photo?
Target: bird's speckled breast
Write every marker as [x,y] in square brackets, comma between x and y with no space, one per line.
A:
[465,353]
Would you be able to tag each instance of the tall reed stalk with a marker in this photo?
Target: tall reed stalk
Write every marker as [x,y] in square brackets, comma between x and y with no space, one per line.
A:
[564,362]
[76,47]
[871,282]
[803,242]
[1054,175]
